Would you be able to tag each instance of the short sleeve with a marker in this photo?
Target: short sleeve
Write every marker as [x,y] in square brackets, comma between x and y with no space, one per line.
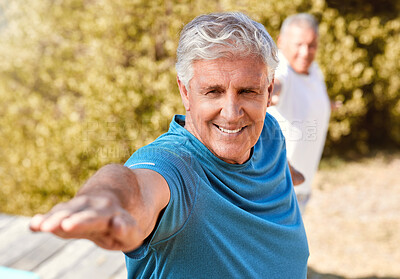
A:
[175,165]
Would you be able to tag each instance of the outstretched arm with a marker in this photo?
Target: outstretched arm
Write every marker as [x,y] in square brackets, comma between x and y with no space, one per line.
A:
[117,209]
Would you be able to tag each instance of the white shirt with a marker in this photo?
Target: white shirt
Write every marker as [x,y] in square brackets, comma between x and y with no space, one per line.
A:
[303,113]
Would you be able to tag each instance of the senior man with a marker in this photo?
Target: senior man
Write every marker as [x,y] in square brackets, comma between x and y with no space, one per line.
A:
[300,100]
[212,197]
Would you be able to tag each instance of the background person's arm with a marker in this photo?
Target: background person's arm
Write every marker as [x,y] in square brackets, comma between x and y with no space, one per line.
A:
[276,92]
[117,209]
[297,177]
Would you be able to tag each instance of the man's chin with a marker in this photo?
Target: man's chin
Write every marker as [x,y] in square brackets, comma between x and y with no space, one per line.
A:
[231,156]
[302,68]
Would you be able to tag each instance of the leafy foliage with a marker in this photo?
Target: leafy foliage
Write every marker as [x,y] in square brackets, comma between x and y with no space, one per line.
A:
[360,49]
[84,83]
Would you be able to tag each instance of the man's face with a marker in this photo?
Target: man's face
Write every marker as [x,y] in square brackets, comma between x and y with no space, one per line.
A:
[299,46]
[226,105]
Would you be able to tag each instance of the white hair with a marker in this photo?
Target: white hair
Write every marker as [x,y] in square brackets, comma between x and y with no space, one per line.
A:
[302,20]
[220,35]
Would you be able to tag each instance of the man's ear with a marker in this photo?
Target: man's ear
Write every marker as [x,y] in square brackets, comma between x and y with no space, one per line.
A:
[270,90]
[279,41]
[184,94]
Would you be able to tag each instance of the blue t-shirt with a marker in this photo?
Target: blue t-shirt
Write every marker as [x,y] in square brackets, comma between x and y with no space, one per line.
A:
[223,220]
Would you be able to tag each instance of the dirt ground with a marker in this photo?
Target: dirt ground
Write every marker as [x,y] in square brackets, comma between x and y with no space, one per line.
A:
[353,219]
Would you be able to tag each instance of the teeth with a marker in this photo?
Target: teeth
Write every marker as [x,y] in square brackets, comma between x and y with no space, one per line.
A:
[230,131]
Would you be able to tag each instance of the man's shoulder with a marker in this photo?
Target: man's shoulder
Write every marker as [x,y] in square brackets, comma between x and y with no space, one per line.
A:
[270,120]
[271,130]
[283,68]
[316,71]
[169,143]
[169,155]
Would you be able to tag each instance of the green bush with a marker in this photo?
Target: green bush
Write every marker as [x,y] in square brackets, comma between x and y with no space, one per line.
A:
[85,83]
[359,54]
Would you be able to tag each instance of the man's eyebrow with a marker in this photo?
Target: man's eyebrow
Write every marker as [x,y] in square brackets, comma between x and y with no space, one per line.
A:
[211,87]
[221,87]
[249,87]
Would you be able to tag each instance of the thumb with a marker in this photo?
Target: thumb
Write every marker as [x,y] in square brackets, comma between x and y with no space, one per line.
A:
[126,231]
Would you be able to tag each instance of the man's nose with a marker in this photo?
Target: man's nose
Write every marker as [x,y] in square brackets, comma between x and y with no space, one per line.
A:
[232,108]
[304,50]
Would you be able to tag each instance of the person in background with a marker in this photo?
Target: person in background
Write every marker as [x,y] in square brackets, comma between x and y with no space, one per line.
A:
[300,100]
[212,197]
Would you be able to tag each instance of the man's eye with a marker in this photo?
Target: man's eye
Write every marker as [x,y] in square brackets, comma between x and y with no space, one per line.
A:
[248,91]
[212,92]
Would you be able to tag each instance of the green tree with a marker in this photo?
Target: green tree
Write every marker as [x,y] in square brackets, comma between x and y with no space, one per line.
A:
[84,83]
[360,49]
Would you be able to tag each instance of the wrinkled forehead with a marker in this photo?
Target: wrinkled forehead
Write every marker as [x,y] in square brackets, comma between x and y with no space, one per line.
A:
[248,71]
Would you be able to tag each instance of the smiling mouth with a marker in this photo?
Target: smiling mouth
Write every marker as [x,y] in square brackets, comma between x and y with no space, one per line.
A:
[229,131]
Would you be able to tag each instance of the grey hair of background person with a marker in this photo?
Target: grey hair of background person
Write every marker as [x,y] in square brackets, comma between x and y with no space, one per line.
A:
[223,35]
[302,20]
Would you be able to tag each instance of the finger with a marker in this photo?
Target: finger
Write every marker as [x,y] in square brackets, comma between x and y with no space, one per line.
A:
[82,224]
[106,241]
[119,227]
[39,219]
[35,222]
[118,237]
[111,234]
[52,222]
[86,222]
[126,232]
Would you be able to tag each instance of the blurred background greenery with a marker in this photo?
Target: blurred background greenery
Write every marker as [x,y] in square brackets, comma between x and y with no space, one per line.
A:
[86,82]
